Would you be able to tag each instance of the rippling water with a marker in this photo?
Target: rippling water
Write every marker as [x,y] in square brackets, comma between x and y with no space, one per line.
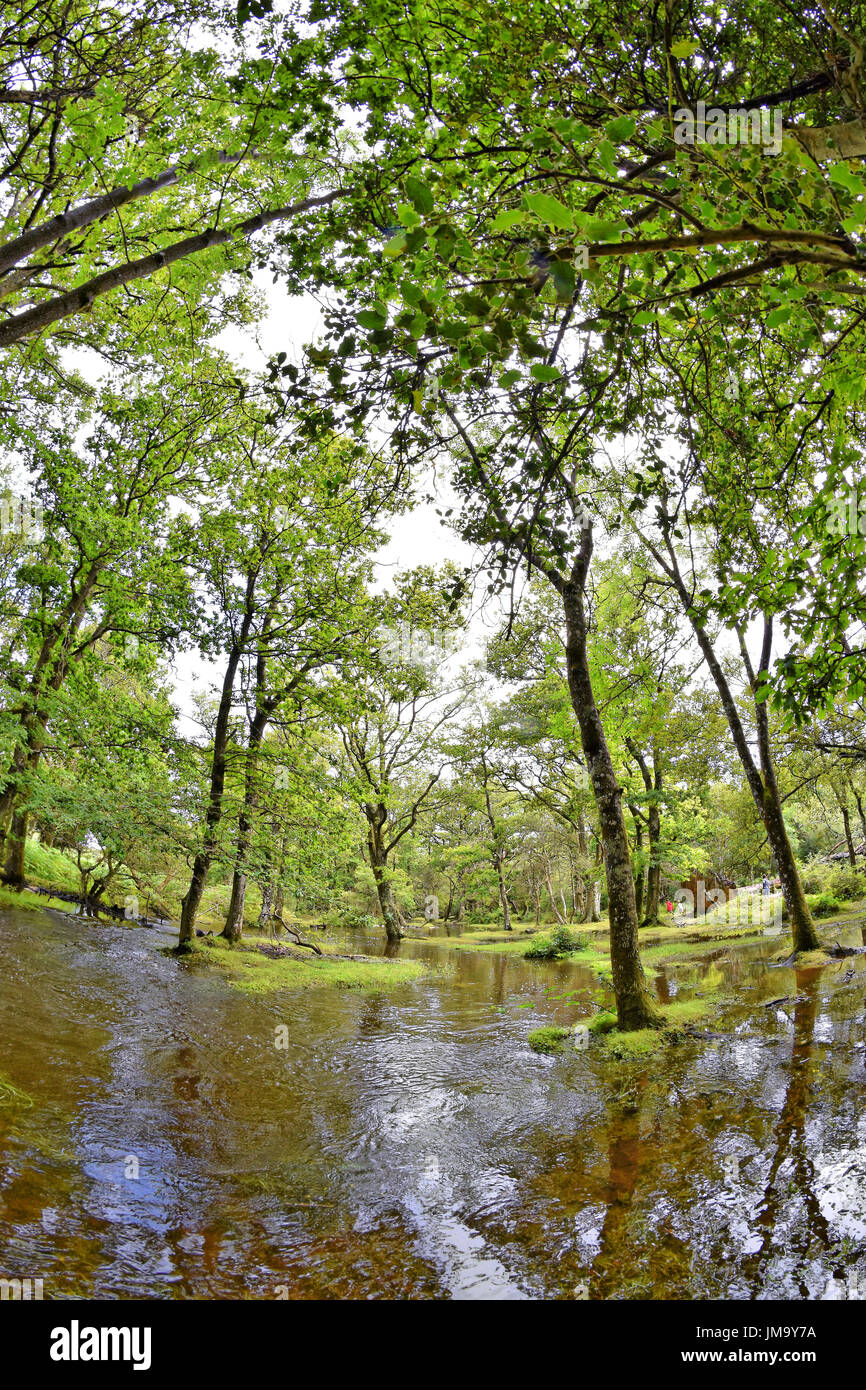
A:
[155,1142]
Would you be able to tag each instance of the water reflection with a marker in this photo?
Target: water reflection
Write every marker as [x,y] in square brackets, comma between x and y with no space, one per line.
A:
[411,1144]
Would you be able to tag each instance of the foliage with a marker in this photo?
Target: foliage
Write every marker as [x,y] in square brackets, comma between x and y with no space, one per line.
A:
[558,944]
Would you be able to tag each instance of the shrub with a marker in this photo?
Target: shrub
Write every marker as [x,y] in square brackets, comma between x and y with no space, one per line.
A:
[560,942]
[814,876]
[359,919]
[823,904]
[846,883]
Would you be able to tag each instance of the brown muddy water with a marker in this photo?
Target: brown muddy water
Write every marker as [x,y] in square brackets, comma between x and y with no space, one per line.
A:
[154,1142]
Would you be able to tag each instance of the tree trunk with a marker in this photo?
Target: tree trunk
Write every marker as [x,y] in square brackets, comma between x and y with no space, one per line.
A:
[556,912]
[652,785]
[16,845]
[846,821]
[634,1006]
[653,878]
[391,915]
[503,896]
[497,853]
[802,926]
[579,898]
[761,780]
[234,926]
[267,909]
[639,873]
[638,892]
[191,902]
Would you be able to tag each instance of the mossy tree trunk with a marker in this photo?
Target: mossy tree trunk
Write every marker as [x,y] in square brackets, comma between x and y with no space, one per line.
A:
[634,1006]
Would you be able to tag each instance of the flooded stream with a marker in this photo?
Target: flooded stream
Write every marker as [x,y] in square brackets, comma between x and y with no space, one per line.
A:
[155,1142]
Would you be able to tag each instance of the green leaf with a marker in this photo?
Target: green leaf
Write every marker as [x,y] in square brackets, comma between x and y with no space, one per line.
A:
[563,277]
[840,174]
[505,220]
[571,129]
[455,328]
[407,215]
[542,372]
[621,128]
[607,155]
[396,246]
[600,229]
[371,318]
[550,210]
[684,48]
[779,316]
[413,294]
[507,380]
[420,194]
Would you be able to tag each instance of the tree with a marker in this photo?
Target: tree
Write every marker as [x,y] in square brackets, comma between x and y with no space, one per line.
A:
[391,719]
[283,560]
[158,146]
[105,562]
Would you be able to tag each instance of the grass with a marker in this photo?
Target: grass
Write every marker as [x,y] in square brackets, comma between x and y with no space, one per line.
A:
[256,970]
[642,1043]
[50,868]
[487,938]
[645,1041]
[561,944]
[671,950]
[9,897]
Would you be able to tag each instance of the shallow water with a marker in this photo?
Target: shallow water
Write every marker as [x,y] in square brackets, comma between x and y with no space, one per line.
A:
[410,1144]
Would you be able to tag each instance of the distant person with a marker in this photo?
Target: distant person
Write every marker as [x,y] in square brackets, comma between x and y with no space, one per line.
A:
[765,886]
[669,906]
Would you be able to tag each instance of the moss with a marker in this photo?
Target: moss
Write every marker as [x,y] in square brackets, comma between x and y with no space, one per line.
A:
[806,960]
[645,1041]
[548,1039]
[256,969]
[602,1023]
